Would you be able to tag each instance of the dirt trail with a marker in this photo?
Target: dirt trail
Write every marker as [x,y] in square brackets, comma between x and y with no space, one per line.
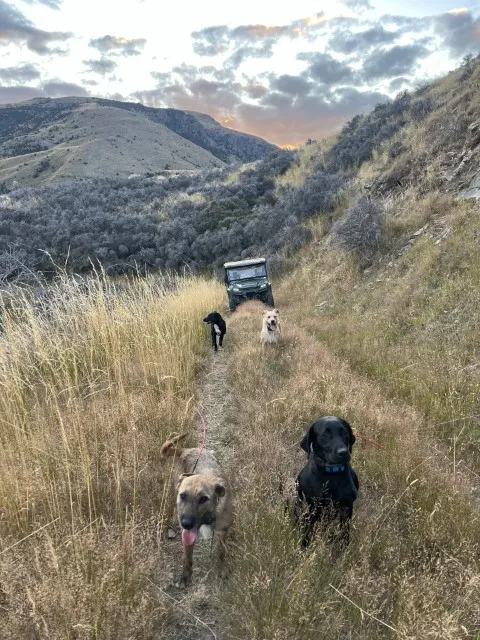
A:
[217,403]
[196,614]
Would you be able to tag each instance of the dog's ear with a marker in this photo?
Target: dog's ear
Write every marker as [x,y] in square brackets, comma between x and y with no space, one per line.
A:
[304,443]
[307,440]
[170,447]
[350,431]
[219,490]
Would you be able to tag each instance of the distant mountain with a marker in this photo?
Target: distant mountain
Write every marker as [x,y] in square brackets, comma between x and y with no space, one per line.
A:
[44,140]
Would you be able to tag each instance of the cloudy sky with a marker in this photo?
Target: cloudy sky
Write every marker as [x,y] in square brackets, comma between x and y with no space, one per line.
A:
[284,71]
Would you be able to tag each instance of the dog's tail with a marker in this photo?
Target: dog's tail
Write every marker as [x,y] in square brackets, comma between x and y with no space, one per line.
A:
[170,447]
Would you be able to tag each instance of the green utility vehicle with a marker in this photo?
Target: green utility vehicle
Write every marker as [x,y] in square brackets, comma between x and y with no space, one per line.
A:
[247,280]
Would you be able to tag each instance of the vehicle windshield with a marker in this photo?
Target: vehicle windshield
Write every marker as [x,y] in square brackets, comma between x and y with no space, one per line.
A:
[244,273]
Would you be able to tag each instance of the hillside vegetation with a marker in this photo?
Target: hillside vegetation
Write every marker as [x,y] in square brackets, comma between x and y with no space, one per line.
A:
[196,220]
[392,277]
[144,224]
[49,140]
[378,300]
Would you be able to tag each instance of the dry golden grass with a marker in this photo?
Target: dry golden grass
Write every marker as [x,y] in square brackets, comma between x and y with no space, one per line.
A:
[295,176]
[437,151]
[394,349]
[234,176]
[412,567]
[411,321]
[92,384]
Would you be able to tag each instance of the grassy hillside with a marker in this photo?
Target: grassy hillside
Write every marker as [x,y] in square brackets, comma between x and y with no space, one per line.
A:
[391,278]
[95,378]
[410,320]
[92,142]
[49,140]
[378,300]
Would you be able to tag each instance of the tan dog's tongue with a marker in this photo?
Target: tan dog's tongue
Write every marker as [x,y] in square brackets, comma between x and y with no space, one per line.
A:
[189,536]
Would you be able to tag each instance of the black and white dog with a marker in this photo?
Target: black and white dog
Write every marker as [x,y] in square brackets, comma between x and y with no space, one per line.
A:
[327,486]
[219,328]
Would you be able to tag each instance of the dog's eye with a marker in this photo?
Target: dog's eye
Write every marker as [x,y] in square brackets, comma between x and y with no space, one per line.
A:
[183,496]
[203,499]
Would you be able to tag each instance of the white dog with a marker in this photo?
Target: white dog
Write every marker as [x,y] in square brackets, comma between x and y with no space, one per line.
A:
[270,327]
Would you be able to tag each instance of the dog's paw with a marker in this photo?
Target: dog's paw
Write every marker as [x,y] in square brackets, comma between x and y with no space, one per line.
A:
[184,582]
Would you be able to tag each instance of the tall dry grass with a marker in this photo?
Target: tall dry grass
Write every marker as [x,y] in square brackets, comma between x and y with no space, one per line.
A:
[94,376]
[297,173]
[412,569]
[411,320]
[437,151]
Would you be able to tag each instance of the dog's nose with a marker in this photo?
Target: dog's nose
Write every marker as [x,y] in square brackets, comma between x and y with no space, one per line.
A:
[187,522]
[342,452]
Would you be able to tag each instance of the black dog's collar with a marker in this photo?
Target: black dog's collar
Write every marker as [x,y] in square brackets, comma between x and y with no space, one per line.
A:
[329,468]
[337,468]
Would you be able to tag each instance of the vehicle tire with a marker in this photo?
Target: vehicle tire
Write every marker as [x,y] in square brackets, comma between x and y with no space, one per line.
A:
[232,304]
[269,299]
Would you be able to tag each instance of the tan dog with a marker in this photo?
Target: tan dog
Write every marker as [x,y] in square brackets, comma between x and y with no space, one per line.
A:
[270,327]
[203,501]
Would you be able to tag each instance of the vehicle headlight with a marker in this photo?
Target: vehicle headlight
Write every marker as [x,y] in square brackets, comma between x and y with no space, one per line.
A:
[235,288]
[263,285]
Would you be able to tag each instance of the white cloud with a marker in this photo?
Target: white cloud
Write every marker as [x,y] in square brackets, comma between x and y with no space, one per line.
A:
[258,41]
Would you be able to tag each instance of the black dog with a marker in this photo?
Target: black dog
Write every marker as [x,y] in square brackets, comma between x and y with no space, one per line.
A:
[219,328]
[327,485]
